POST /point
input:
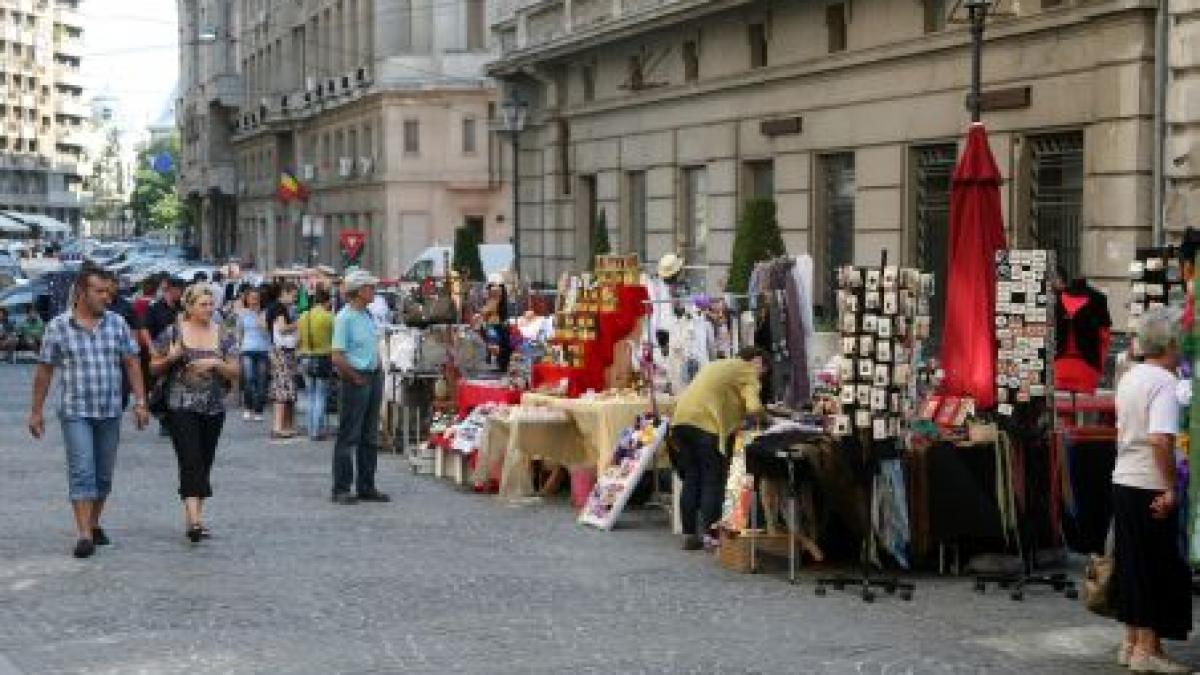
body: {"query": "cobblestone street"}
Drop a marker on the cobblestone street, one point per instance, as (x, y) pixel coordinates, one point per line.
(440, 581)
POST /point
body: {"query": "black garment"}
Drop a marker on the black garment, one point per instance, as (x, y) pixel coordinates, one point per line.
(195, 437)
(703, 470)
(123, 308)
(1085, 325)
(159, 317)
(1153, 581)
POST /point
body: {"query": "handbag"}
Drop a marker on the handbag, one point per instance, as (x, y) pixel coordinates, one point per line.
(160, 390)
(1099, 583)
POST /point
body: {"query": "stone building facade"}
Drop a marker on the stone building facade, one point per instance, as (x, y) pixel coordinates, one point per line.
(669, 116)
(380, 109)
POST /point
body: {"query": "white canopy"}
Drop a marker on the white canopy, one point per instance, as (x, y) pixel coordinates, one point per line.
(11, 225)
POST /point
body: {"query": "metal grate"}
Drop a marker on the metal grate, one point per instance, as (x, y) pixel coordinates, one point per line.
(934, 168)
(1056, 197)
(838, 234)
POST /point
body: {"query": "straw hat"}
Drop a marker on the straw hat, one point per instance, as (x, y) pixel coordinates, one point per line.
(669, 265)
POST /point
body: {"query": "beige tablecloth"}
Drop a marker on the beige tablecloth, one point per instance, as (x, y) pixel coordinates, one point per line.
(599, 423)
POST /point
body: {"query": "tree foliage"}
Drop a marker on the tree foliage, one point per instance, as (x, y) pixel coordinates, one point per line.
(155, 201)
(757, 238)
(466, 253)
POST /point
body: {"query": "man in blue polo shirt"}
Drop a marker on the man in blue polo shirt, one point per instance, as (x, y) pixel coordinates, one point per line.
(356, 358)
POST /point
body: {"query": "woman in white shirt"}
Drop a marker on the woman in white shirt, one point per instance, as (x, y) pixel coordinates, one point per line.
(1152, 579)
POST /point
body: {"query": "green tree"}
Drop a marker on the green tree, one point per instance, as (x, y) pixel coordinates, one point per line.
(155, 201)
(600, 245)
(466, 253)
(757, 238)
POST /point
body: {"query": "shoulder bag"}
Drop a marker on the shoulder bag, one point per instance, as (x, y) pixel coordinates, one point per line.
(1099, 582)
(157, 401)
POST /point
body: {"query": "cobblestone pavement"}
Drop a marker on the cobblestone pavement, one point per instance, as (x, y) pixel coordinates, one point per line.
(439, 582)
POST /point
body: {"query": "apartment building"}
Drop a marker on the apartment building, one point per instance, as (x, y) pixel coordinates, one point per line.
(668, 116)
(42, 112)
(379, 108)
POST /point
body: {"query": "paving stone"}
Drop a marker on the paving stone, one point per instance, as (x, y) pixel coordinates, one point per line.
(441, 581)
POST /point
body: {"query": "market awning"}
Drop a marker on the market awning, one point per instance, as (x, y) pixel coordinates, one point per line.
(976, 233)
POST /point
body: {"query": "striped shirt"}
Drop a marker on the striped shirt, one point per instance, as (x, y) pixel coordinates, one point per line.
(91, 363)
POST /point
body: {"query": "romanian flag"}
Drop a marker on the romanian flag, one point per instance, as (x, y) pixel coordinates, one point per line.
(290, 188)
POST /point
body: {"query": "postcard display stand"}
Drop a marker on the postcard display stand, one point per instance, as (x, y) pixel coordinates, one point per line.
(635, 452)
(1155, 280)
(1025, 399)
(883, 315)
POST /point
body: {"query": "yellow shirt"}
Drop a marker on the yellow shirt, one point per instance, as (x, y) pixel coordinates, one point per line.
(720, 397)
(316, 332)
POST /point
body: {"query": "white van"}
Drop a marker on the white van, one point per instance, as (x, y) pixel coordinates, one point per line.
(432, 261)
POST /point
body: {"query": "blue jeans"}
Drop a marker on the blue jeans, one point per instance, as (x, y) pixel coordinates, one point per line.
(357, 444)
(316, 399)
(254, 381)
(91, 445)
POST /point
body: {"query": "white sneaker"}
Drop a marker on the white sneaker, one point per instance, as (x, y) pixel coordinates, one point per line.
(1153, 663)
(247, 416)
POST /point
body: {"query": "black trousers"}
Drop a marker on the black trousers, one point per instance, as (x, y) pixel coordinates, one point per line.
(1153, 580)
(703, 469)
(195, 436)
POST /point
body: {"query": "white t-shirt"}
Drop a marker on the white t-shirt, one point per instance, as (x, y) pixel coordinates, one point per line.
(1145, 405)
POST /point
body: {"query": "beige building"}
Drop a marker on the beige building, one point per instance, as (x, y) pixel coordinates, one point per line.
(379, 108)
(42, 111)
(668, 116)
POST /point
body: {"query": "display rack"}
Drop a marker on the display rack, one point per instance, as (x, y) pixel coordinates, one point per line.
(1025, 397)
(883, 316)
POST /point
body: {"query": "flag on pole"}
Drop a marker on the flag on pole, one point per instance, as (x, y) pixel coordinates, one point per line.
(290, 188)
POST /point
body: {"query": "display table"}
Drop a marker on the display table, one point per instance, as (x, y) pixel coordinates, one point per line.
(598, 423)
(471, 393)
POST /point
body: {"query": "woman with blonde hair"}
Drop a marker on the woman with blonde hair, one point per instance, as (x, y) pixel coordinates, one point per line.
(200, 358)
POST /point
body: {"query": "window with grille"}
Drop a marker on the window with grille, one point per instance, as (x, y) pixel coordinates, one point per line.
(836, 227)
(1056, 197)
(933, 168)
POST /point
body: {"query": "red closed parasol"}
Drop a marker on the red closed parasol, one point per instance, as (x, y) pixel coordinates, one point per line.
(976, 233)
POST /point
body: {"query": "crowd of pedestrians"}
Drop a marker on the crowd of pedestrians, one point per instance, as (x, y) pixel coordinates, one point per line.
(179, 349)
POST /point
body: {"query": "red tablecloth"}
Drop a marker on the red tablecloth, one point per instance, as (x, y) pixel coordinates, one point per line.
(471, 394)
(611, 328)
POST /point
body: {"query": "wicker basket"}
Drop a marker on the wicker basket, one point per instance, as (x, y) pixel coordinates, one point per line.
(734, 553)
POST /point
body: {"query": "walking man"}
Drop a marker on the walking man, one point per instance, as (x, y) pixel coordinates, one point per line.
(356, 358)
(91, 345)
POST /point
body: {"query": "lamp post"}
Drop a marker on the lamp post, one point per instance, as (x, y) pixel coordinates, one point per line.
(515, 112)
(977, 11)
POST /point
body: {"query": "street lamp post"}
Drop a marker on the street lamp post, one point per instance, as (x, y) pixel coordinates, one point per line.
(977, 11)
(515, 112)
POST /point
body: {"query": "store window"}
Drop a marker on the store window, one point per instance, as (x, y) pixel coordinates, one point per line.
(835, 227)
(692, 234)
(933, 167)
(635, 234)
(1056, 196)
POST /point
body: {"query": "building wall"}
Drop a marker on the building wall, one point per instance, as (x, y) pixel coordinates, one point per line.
(894, 89)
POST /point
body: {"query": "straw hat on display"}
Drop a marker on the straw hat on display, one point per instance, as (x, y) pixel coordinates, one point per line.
(669, 265)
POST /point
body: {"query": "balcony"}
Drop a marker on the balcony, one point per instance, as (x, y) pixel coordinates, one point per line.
(68, 17)
(72, 47)
(69, 77)
(70, 107)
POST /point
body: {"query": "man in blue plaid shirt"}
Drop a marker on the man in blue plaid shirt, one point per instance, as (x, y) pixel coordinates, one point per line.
(90, 345)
